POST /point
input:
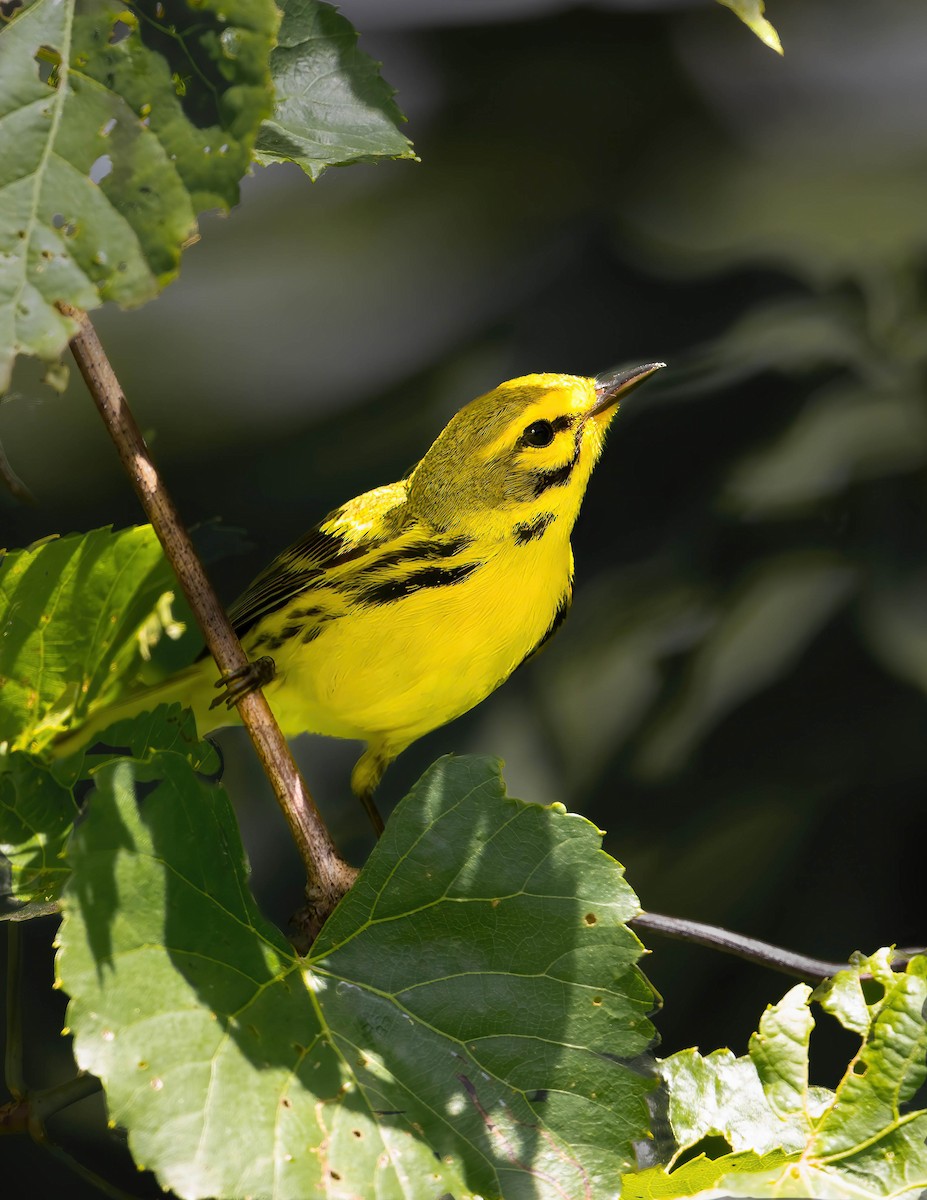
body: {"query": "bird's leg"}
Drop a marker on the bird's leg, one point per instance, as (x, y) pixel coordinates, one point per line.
(246, 679)
(367, 773)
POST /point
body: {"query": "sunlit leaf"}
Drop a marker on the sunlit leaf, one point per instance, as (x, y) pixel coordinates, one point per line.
(118, 125)
(788, 1139)
(36, 817)
(469, 1020)
(70, 612)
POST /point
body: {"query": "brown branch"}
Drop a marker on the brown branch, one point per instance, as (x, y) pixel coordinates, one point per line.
(801, 966)
(329, 877)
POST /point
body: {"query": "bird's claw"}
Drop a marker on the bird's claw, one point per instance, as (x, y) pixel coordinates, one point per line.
(246, 679)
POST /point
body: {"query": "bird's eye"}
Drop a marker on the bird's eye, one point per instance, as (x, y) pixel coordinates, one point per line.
(538, 433)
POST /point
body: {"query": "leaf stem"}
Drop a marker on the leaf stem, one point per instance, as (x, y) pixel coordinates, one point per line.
(801, 966)
(13, 1052)
(329, 877)
(51, 1100)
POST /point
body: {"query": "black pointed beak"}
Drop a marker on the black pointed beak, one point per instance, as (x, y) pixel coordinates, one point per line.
(614, 386)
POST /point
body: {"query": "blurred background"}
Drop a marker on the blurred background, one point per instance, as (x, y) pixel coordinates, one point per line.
(738, 697)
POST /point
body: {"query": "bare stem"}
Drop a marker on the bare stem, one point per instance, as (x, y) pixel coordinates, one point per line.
(329, 877)
(801, 966)
(13, 1064)
(52, 1100)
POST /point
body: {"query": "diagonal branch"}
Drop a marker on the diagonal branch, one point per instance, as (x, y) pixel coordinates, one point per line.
(329, 877)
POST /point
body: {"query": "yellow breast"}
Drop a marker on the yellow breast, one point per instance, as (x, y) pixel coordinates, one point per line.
(393, 671)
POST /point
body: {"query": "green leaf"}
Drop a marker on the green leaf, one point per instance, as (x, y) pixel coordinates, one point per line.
(71, 612)
(751, 13)
(117, 126)
(332, 105)
(791, 1140)
(38, 806)
(779, 1051)
(36, 817)
(470, 1019)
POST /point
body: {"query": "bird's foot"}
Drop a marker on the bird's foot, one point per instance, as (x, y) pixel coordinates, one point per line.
(246, 679)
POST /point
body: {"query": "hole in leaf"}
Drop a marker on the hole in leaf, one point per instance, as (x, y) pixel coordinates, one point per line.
(357, 1133)
(122, 27)
(8, 7)
(873, 991)
(711, 1147)
(597, 1000)
(860, 1068)
(590, 918)
(100, 168)
(107, 128)
(48, 61)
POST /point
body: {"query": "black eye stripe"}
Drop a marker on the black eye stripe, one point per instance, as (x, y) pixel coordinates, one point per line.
(559, 423)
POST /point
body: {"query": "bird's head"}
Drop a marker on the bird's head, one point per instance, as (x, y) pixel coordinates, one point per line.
(522, 453)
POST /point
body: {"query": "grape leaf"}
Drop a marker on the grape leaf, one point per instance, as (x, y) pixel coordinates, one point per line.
(470, 1020)
(332, 105)
(789, 1139)
(36, 817)
(71, 611)
(751, 13)
(38, 805)
(117, 126)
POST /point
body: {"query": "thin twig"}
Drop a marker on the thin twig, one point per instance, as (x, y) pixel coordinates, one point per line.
(12, 481)
(801, 966)
(329, 877)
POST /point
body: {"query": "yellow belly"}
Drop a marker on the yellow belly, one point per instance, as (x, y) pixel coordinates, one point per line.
(392, 672)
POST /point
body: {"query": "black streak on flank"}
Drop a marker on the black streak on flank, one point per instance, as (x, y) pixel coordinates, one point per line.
(431, 577)
(559, 618)
(556, 478)
(530, 530)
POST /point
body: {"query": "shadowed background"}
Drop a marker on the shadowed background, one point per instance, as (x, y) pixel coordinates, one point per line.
(738, 695)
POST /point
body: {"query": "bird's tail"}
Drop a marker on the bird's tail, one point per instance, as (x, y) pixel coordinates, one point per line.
(193, 688)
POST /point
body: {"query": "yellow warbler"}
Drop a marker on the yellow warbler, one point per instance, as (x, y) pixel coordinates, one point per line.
(412, 602)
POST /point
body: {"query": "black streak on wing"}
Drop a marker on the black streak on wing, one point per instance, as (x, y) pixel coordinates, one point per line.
(443, 548)
(529, 530)
(430, 577)
(298, 568)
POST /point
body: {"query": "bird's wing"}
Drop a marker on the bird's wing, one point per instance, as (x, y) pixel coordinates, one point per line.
(358, 528)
